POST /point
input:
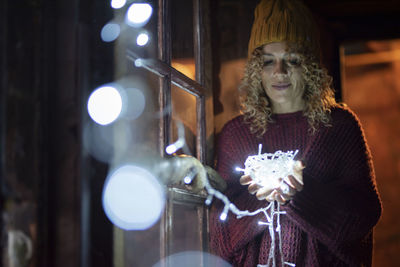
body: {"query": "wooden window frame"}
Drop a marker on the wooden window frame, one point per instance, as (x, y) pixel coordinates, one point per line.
(167, 74)
(200, 88)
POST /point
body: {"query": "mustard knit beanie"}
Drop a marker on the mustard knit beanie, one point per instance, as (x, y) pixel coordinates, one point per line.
(284, 21)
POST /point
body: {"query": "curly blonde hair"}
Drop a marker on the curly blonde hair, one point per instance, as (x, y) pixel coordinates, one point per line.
(318, 94)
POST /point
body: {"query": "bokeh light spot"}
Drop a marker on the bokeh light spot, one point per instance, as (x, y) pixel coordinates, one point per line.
(97, 141)
(136, 103)
(138, 14)
(138, 63)
(142, 39)
(105, 105)
(117, 3)
(110, 32)
(133, 199)
(105, 142)
(192, 259)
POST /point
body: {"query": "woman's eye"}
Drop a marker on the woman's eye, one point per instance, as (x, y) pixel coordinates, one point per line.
(267, 62)
(294, 62)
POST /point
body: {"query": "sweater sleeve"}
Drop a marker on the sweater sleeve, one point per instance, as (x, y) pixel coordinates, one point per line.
(229, 237)
(342, 210)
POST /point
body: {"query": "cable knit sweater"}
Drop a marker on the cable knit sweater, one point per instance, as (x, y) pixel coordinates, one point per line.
(329, 223)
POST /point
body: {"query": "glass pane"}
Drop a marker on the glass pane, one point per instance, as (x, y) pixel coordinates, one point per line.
(136, 140)
(186, 66)
(182, 30)
(184, 119)
(144, 247)
(138, 126)
(187, 228)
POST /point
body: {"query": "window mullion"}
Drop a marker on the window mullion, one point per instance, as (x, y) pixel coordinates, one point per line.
(197, 37)
(164, 55)
(199, 63)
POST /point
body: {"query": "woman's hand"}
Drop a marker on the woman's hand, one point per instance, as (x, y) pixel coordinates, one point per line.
(175, 169)
(289, 186)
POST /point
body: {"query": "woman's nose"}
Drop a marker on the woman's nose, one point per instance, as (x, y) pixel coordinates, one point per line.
(280, 67)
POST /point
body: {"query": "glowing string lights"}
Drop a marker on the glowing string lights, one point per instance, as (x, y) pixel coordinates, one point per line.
(178, 144)
(123, 192)
(267, 170)
(172, 148)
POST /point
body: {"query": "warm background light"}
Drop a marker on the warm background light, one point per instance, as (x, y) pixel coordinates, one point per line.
(371, 87)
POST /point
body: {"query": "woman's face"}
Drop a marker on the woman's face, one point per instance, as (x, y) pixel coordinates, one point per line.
(282, 78)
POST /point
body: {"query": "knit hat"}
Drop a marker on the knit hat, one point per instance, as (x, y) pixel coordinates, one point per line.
(284, 21)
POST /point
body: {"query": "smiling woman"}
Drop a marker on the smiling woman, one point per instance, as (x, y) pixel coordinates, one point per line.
(328, 205)
(282, 78)
(281, 64)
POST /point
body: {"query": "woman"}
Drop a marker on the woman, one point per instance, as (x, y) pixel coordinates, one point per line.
(332, 203)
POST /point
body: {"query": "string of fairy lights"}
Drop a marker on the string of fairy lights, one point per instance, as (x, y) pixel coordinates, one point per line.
(105, 106)
(266, 169)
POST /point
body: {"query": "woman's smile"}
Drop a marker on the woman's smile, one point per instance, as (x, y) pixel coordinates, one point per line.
(282, 80)
(281, 86)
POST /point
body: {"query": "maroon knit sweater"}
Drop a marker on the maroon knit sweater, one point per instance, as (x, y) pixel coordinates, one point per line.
(329, 223)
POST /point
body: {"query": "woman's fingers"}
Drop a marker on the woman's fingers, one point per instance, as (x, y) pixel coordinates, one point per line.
(282, 194)
(271, 197)
(276, 196)
(298, 165)
(280, 198)
(263, 192)
(294, 183)
(298, 171)
(253, 188)
(245, 180)
(286, 190)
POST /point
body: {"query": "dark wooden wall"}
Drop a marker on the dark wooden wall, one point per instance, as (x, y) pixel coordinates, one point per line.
(51, 58)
